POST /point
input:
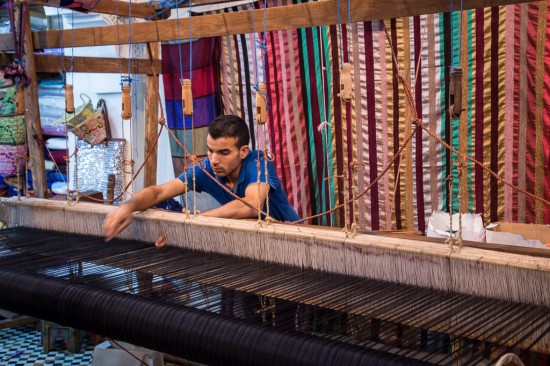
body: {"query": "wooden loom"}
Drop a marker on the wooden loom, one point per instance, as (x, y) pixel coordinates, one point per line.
(461, 283)
(512, 277)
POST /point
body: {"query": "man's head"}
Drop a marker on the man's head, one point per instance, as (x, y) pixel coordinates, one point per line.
(227, 145)
(230, 126)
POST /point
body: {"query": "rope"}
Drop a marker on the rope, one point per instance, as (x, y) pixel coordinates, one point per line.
(366, 190)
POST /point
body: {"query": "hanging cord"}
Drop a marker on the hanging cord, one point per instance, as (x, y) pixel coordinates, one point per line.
(192, 116)
(262, 109)
(18, 158)
(450, 239)
(355, 167)
(348, 36)
(460, 34)
(340, 34)
(186, 196)
(455, 85)
(267, 155)
(262, 99)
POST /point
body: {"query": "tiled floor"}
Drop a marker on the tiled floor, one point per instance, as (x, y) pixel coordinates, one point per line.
(27, 339)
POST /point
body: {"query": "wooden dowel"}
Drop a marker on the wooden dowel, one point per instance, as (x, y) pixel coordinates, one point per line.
(455, 90)
(69, 99)
(126, 102)
(187, 97)
(261, 104)
(346, 87)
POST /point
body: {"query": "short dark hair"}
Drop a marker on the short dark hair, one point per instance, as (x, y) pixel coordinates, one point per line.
(230, 126)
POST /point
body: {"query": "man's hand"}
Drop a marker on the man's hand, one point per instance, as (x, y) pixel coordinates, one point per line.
(161, 241)
(116, 221)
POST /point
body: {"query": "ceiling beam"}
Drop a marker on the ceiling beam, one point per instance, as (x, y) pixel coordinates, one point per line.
(277, 18)
(122, 8)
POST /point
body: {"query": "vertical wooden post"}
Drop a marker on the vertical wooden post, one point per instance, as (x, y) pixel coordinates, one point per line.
(32, 114)
(152, 116)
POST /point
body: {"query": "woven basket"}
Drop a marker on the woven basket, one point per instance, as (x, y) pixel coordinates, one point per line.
(12, 130)
(82, 113)
(12, 159)
(7, 101)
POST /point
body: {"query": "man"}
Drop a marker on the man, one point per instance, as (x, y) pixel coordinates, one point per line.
(233, 165)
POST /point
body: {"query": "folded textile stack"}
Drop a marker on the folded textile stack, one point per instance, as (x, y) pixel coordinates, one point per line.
(13, 148)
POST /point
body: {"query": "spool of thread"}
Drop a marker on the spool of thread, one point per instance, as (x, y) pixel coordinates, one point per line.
(455, 92)
(187, 97)
(261, 104)
(346, 87)
(69, 99)
(20, 100)
(126, 102)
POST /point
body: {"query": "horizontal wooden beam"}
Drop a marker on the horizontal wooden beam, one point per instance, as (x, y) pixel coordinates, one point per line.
(277, 18)
(54, 64)
(122, 8)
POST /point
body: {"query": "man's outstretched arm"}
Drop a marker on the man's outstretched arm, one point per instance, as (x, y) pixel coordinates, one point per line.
(148, 197)
(239, 210)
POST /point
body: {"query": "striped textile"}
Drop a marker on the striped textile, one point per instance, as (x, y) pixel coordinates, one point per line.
(328, 150)
(203, 71)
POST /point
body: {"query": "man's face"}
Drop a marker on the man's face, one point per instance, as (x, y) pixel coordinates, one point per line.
(225, 157)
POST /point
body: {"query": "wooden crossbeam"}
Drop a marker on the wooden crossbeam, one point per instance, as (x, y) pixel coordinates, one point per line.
(54, 64)
(122, 8)
(277, 18)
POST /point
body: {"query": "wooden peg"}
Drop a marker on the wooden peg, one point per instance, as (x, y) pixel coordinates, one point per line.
(187, 97)
(455, 92)
(346, 87)
(20, 100)
(261, 104)
(126, 102)
(69, 99)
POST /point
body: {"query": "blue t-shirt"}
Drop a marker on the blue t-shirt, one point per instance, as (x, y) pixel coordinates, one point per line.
(279, 207)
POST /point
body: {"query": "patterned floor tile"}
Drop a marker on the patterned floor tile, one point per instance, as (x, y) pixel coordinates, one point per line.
(22, 346)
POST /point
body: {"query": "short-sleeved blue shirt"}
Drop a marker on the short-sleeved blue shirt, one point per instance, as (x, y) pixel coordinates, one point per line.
(279, 207)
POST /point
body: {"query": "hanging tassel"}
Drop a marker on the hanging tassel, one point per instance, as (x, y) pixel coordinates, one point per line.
(346, 90)
(69, 99)
(20, 100)
(187, 97)
(261, 104)
(126, 102)
(455, 92)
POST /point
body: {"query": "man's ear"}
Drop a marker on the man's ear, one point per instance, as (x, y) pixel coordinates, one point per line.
(244, 151)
